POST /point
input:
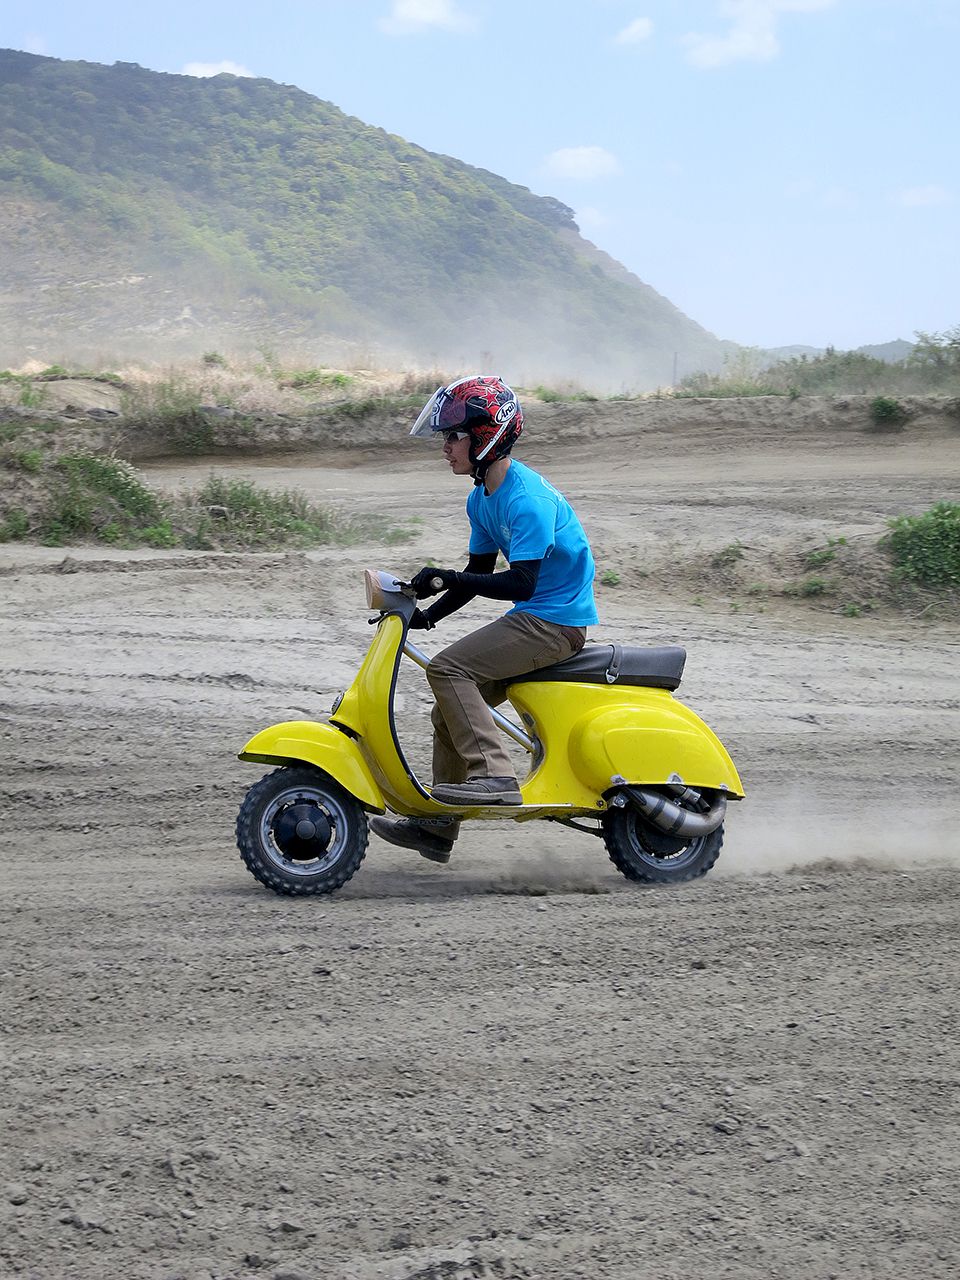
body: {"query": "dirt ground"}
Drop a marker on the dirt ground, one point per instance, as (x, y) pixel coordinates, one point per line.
(518, 1065)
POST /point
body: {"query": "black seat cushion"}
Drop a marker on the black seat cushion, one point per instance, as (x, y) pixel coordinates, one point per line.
(656, 667)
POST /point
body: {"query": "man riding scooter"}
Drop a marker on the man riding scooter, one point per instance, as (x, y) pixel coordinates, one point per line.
(515, 511)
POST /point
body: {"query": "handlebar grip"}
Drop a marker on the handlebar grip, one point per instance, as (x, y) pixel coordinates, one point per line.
(436, 584)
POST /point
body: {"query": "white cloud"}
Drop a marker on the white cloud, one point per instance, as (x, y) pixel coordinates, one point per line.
(407, 16)
(34, 43)
(922, 197)
(582, 163)
(639, 29)
(753, 31)
(206, 69)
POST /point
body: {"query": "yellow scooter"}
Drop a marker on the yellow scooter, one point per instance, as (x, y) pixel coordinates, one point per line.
(613, 754)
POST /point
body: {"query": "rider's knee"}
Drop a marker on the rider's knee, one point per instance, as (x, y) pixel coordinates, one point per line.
(441, 667)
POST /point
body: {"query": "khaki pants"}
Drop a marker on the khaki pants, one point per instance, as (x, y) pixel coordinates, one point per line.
(473, 673)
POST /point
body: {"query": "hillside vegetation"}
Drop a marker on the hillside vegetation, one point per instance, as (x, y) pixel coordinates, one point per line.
(930, 367)
(140, 208)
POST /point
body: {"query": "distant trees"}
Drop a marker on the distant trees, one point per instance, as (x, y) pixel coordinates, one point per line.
(937, 354)
(932, 366)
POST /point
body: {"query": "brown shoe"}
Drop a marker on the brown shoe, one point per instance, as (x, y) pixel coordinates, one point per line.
(479, 791)
(422, 834)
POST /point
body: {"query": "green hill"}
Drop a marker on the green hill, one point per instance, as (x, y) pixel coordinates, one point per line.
(143, 213)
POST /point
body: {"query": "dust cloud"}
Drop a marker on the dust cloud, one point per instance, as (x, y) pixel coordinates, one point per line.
(775, 840)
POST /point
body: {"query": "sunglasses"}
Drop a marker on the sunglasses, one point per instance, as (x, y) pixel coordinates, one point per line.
(450, 437)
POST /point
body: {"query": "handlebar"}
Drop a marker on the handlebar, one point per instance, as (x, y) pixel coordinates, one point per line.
(436, 584)
(380, 585)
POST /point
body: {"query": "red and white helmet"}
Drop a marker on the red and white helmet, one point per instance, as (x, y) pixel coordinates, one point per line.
(483, 405)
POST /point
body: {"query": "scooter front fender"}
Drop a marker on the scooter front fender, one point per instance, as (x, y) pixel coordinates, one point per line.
(323, 746)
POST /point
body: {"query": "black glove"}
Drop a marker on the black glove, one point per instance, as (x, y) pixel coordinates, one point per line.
(430, 581)
(420, 621)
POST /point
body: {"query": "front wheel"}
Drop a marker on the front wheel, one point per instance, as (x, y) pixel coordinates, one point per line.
(300, 833)
(641, 852)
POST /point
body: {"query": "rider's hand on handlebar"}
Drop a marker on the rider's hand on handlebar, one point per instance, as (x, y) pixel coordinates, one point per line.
(430, 581)
(420, 621)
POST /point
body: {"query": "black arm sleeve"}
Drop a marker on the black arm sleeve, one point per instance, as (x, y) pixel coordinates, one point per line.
(478, 579)
(458, 596)
(518, 583)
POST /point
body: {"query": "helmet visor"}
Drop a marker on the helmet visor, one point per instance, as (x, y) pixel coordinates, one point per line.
(442, 412)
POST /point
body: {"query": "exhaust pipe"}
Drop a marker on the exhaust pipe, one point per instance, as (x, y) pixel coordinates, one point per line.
(668, 816)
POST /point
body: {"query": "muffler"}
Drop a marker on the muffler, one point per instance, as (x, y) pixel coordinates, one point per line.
(668, 816)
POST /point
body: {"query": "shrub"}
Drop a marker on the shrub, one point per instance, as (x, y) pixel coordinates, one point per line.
(926, 548)
(193, 433)
(317, 378)
(158, 535)
(169, 400)
(728, 556)
(32, 397)
(818, 558)
(94, 493)
(808, 587)
(885, 412)
(394, 537)
(25, 459)
(742, 375)
(705, 386)
(15, 527)
(610, 578)
(214, 359)
(114, 478)
(562, 395)
(249, 516)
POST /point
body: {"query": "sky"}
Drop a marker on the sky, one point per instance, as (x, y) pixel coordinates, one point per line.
(784, 171)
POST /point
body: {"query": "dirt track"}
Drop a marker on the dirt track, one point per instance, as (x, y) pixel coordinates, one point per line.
(519, 1065)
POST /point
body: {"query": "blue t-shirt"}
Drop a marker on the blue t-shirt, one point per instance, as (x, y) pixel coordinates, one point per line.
(528, 519)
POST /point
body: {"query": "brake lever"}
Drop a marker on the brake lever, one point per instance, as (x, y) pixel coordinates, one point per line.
(436, 585)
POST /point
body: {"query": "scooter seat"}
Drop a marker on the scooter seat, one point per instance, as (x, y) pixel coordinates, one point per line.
(658, 667)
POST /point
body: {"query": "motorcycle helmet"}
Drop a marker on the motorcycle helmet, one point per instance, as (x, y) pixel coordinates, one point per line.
(483, 405)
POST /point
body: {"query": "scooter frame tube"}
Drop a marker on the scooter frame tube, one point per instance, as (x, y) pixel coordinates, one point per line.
(509, 728)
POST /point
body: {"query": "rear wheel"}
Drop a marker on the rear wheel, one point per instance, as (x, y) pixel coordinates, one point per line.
(300, 833)
(641, 851)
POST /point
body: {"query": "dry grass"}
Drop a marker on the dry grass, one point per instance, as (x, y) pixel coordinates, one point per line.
(266, 383)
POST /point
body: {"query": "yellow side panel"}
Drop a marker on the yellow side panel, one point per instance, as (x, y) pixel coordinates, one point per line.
(652, 747)
(321, 745)
(592, 733)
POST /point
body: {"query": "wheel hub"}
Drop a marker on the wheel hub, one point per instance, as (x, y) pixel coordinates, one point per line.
(659, 843)
(302, 831)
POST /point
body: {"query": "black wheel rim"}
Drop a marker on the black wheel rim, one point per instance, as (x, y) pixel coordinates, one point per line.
(304, 831)
(656, 849)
